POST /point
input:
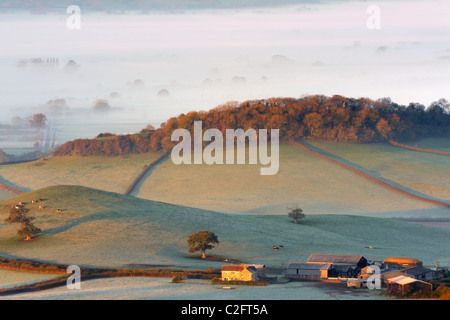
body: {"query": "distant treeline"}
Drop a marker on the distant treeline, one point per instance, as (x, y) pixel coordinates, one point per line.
(336, 118)
(6, 158)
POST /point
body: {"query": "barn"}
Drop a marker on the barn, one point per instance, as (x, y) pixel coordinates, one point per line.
(338, 259)
(308, 271)
(402, 283)
(343, 271)
(420, 273)
(401, 262)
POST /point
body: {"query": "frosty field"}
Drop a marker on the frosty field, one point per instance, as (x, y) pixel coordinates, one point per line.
(316, 185)
(163, 289)
(9, 278)
(433, 143)
(106, 173)
(421, 173)
(98, 228)
(345, 214)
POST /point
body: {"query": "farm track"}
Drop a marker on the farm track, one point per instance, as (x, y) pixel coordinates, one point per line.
(142, 174)
(396, 144)
(370, 177)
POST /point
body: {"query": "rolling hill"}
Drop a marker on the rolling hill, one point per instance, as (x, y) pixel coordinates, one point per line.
(105, 173)
(318, 186)
(99, 228)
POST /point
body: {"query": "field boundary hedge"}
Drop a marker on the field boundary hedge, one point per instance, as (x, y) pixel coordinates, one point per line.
(14, 190)
(371, 178)
(88, 274)
(396, 144)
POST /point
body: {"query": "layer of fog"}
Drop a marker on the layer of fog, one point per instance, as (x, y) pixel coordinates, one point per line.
(144, 69)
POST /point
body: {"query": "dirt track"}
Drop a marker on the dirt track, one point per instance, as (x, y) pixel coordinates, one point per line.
(139, 177)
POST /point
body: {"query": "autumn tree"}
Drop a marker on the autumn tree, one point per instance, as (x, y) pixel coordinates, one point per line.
(296, 213)
(202, 241)
(384, 129)
(38, 121)
(334, 118)
(20, 215)
(314, 122)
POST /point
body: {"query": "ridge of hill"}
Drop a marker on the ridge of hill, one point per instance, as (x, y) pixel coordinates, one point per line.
(336, 118)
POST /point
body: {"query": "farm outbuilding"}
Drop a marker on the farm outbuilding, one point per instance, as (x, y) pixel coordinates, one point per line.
(343, 271)
(402, 262)
(338, 259)
(310, 271)
(400, 284)
(420, 273)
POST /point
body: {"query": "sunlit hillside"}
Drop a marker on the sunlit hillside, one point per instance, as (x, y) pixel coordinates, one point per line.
(98, 228)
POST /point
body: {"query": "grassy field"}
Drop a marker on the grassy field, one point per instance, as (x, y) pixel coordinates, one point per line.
(98, 228)
(9, 278)
(345, 214)
(317, 186)
(421, 173)
(433, 143)
(163, 289)
(5, 195)
(105, 173)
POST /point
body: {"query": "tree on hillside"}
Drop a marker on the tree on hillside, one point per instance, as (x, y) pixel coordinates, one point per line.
(296, 213)
(20, 215)
(202, 241)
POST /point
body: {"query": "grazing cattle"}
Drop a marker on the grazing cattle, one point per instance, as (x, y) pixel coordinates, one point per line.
(20, 203)
(41, 207)
(58, 211)
(34, 201)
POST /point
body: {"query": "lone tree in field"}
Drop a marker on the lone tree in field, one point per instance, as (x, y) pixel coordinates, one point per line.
(296, 213)
(202, 241)
(27, 228)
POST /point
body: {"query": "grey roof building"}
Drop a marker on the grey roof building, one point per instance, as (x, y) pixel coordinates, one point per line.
(297, 270)
(338, 259)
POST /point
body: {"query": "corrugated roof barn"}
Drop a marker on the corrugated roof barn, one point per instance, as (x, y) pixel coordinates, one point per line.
(307, 270)
(338, 259)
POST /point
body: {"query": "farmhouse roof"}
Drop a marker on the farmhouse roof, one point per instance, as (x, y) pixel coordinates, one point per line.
(334, 258)
(238, 268)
